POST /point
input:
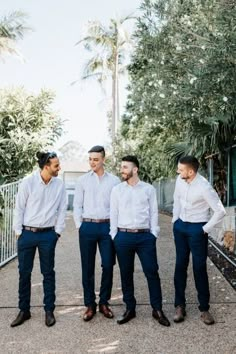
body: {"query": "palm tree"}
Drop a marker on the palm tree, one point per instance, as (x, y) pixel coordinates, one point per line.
(12, 28)
(109, 46)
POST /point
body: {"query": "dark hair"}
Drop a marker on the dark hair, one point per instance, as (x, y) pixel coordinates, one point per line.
(131, 158)
(44, 158)
(98, 148)
(191, 161)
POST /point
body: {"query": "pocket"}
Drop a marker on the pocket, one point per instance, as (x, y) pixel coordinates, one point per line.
(153, 237)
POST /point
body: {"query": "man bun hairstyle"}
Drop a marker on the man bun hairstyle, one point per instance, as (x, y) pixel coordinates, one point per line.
(98, 148)
(43, 158)
(131, 158)
(190, 161)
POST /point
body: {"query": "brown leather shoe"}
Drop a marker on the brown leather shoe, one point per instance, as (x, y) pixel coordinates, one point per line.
(105, 309)
(207, 318)
(89, 313)
(180, 313)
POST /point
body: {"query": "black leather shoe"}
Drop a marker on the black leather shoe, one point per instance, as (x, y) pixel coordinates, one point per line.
(160, 317)
(127, 316)
(49, 318)
(21, 318)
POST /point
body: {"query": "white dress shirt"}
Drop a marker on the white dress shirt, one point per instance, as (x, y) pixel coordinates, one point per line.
(39, 204)
(92, 196)
(134, 207)
(193, 201)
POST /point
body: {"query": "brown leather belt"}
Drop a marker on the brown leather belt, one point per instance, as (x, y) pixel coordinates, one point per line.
(38, 229)
(135, 231)
(96, 220)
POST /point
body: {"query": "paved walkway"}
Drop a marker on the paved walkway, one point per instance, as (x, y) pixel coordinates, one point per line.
(143, 335)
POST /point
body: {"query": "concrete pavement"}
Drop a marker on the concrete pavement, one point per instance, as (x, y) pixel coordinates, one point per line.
(142, 335)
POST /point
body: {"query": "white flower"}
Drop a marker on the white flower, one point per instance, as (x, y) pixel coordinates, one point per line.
(225, 99)
(201, 61)
(178, 48)
(160, 82)
(150, 83)
(192, 80)
(150, 60)
(203, 47)
(162, 95)
(162, 62)
(174, 92)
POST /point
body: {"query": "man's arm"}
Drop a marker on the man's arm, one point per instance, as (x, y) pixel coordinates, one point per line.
(154, 228)
(78, 204)
(21, 200)
(114, 213)
(176, 205)
(61, 213)
(213, 200)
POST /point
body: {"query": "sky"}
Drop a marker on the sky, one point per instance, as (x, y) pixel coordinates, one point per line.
(52, 61)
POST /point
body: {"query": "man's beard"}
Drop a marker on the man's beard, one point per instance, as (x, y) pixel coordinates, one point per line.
(127, 176)
(185, 178)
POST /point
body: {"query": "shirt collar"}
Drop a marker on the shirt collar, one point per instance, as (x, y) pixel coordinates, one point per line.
(92, 173)
(137, 184)
(40, 180)
(196, 178)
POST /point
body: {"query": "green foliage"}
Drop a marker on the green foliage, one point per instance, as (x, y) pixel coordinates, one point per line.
(182, 94)
(12, 28)
(27, 125)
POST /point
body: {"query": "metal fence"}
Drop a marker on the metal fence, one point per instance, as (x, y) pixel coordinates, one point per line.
(7, 237)
(165, 191)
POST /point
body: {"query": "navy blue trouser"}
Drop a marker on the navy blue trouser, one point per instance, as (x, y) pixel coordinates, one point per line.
(26, 245)
(90, 235)
(144, 244)
(190, 237)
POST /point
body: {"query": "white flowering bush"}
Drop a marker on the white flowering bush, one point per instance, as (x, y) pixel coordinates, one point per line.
(27, 125)
(182, 89)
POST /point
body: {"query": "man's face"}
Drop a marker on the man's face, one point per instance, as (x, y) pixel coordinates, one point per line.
(127, 170)
(54, 167)
(96, 161)
(185, 172)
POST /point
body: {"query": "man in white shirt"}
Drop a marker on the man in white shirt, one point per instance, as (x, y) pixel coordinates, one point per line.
(134, 229)
(38, 222)
(92, 219)
(193, 199)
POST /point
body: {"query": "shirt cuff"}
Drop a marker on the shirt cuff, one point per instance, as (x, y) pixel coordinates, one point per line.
(113, 234)
(206, 229)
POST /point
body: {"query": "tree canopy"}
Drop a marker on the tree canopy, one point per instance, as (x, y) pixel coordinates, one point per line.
(182, 92)
(27, 125)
